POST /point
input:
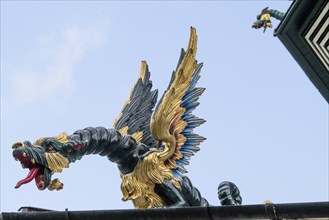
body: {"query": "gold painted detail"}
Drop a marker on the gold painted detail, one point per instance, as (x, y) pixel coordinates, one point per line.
(17, 144)
(266, 17)
(124, 130)
(138, 185)
(138, 136)
(142, 70)
(166, 122)
(268, 202)
(62, 137)
(56, 162)
(55, 185)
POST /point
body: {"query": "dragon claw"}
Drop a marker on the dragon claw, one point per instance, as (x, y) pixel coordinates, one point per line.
(55, 184)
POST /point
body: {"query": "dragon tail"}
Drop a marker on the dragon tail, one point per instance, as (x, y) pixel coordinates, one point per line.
(229, 194)
(192, 194)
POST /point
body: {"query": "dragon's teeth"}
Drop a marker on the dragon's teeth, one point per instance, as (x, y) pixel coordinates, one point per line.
(24, 154)
(33, 161)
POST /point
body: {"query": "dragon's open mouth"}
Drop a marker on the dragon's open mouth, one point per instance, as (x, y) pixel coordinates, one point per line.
(37, 171)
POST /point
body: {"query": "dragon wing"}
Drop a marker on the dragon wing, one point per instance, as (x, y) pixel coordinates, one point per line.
(135, 115)
(172, 122)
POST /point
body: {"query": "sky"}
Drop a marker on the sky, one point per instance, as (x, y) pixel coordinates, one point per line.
(67, 65)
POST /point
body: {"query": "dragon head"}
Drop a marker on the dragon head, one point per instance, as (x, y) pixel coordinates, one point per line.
(263, 20)
(45, 157)
(262, 23)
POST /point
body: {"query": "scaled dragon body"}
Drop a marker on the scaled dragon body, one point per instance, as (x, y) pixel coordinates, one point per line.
(151, 148)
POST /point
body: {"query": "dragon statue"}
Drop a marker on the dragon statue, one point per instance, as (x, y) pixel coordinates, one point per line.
(150, 147)
(263, 19)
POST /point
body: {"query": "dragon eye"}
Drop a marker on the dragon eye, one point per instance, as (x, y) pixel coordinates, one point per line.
(49, 148)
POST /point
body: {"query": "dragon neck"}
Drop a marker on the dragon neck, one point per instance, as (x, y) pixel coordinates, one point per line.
(118, 148)
(276, 14)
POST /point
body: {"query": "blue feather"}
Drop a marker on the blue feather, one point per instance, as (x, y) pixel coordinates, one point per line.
(190, 102)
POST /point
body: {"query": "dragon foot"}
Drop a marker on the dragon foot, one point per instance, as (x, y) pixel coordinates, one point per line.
(55, 185)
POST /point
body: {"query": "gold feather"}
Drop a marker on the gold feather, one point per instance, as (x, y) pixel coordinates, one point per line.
(138, 185)
(62, 137)
(138, 136)
(123, 130)
(166, 122)
(56, 162)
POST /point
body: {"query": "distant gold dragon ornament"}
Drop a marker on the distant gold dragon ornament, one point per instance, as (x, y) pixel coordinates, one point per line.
(263, 19)
(150, 147)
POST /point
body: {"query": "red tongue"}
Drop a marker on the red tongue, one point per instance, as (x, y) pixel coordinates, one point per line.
(32, 174)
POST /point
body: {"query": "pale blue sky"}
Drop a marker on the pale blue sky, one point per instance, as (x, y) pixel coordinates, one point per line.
(69, 65)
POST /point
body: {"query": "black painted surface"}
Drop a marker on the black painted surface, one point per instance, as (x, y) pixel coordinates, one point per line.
(283, 211)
